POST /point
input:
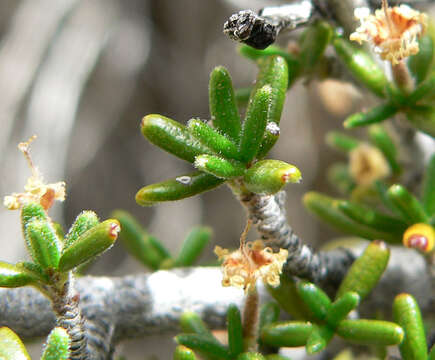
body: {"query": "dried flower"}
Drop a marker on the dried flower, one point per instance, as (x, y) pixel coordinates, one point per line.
(393, 31)
(251, 261)
(367, 164)
(35, 189)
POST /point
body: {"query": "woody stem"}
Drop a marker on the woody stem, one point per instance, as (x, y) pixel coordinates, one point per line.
(250, 320)
(402, 77)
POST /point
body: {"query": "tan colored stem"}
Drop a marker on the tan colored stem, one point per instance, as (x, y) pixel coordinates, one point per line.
(402, 77)
(250, 320)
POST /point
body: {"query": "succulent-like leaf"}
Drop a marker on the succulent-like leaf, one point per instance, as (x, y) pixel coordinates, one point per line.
(366, 271)
(193, 245)
(184, 353)
(361, 66)
(57, 347)
(219, 167)
(319, 339)
(190, 322)
(83, 222)
(315, 298)
(380, 137)
(423, 118)
(374, 115)
(181, 187)
(30, 212)
(288, 333)
(90, 244)
(420, 63)
(204, 344)
(223, 106)
(407, 314)
(11, 346)
(425, 89)
(341, 307)
(410, 208)
(172, 137)
(235, 330)
(428, 187)
(341, 141)
(15, 276)
(269, 313)
(339, 177)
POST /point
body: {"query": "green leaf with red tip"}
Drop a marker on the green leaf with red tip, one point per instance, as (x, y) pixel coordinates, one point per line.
(172, 137)
(371, 332)
(138, 242)
(366, 271)
(181, 187)
(90, 244)
(219, 167)
(410, 208)
(374, 115)
(12, 276)
(11, 346)
(184, 353)
(83, 222)
(57, 347)
(361, 66)
(428, 187)
(288, 333)
(407, 314)
(223, 106)
(193, 245)
(270, 176)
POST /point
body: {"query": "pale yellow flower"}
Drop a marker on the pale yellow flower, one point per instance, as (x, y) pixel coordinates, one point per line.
(367, 164)
(250, 262)
(392, 31)
(35, 189)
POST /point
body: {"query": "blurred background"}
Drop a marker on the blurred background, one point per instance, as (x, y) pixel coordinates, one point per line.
(80, 74)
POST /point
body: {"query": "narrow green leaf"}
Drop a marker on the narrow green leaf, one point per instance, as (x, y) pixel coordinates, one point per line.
(83, 222)
(422, 117)
(11, 346)
(34, 270)
(90, 244)
(425, 89)
(315, 298)
(428, 187)
(381, 189)
(255, 123)
(371, 332)
(341, 307)
(190, 322)
(219, 167)
(30, 212)
(15, 276)
(327, 209)
(59, 230)
(176, 189)
(184, 353)
(319, 339)
(420, 63)
(338, 176)
(407, 314)
(172, 137)
(138, 242)
(313, 44)
(341, 141)
(374, 115)
(235, 330)
(374, 219)
(193, 245)
(361, 66)
(250, 356)
(218, 143)
(366, 271)
(223, 106)
(44, 245)
(288, 333)
(57, 347)
(204, 344)
(410, 208)
(380, 137)
(271, 136)
(269, 313)
(270, 176)
(276, 357)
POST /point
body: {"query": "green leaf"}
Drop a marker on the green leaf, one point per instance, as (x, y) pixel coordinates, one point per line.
(371, 332)
(327, 209)
(366, 271)
(193, 245)
(218, 143)
(15, 276)
(407, 314)
(374, 219)
(184, 353)
(181, 187)
(172, 137)
(269, 313)
(44, 245)
(315, 298)
(255, 123)
(223, 106)
(276, 357)
(30, 212)
(420, 63)
(425, 89)
(313, 44)
(410, 208)
(374, 115)
(428, 187)
(190, 322)
(270, 176)
(318, 339)
(138, 242)
(341, 307)
(57, 347)
(340, 141)
(90, 244)
(288, 333)
(361, 66)
(380, 137)
(34, 270)
(83, 222)
(250, 356)
(338, 176)
(219, 167)
(422, 117)
(11, 346)
(204, 344)
(59, 230)
(235, 330)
